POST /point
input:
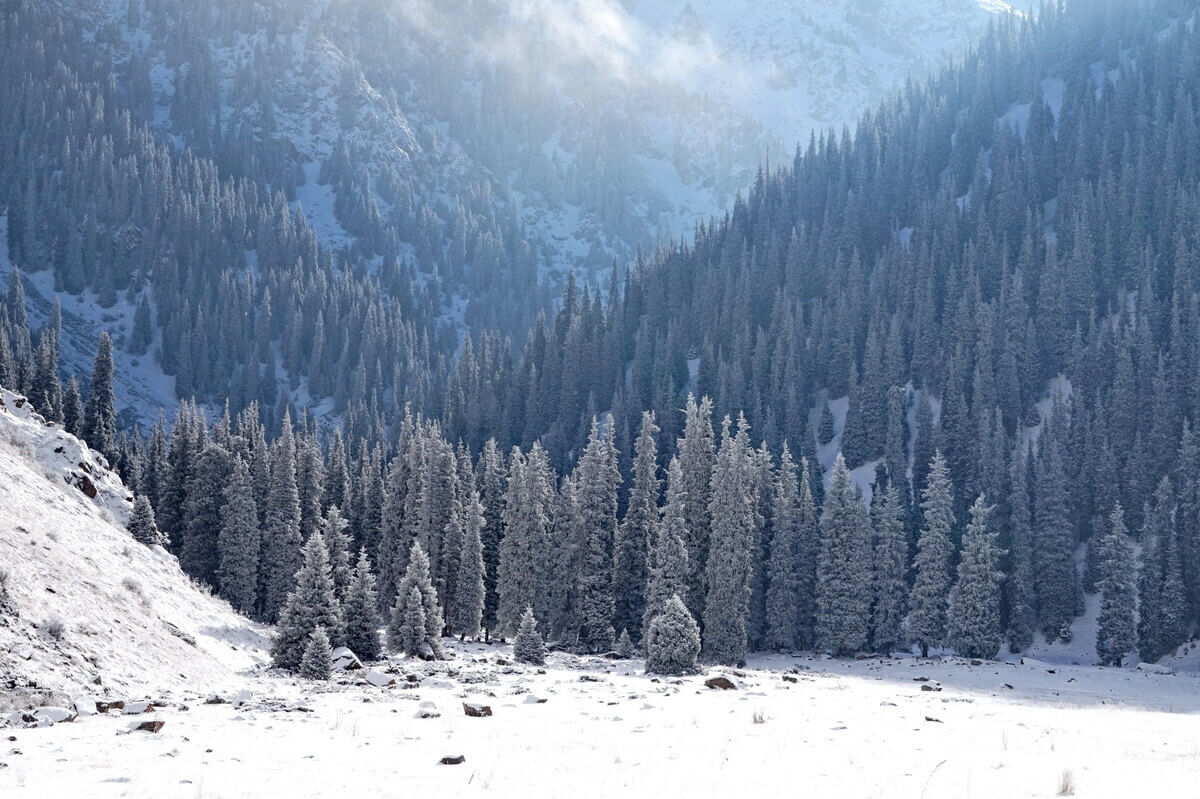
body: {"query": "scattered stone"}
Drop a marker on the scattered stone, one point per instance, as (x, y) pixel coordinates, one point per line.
(379, 679)
(107, 707)
(84, 706)
(345, 660)
(1009, 687)
(723, 683)
(532, 699)
(976, 662)
(790, 678)
(1155, 668)
(135, 708)
(153, 725)
(920, 679)
(931, 718)
(452, 760)
(476, 710)
(930, 686)
(54, 715)
(588, 678)
(216, 699)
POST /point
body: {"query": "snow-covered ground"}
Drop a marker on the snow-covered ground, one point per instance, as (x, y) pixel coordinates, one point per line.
(794, 726)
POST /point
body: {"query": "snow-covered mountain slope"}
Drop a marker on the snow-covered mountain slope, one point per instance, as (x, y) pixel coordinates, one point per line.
(799, 65)
(80, 600)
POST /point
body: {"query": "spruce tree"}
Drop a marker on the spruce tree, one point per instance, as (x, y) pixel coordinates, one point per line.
(416, 599)
(527, 645)
(141, 523)
(200, 553)
(1163, 605)
(361, 612)
(521, 581)
(597, 517)
(100, 412)
(317, 661)
(239, 542)
(668, 557)
(467, 603)
(333, 527)
(935, 548)
(1022, 616)
(672, 641)
(625, 647)
(729, 567)
(696, 451)
(491, 494)
(1116, 634)
(310, 605)
(844, 572)
(889, 588)
(72, 407)
(808, 555)
(281, 533)
(783, 571)
(973, 617)
(1054, 546)
(636, 532)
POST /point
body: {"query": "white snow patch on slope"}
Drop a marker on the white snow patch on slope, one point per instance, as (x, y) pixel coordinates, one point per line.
(127, 612)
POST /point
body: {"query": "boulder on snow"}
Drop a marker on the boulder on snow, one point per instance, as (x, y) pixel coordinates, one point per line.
(379, 679)
(931, 686)
(53, 715)
(722, 683)
(152, 725)
(1155, 668)
(476, 710)
(137, 708)
(105, 706)
(452, 760)
(345, 660)
(533, 699)
(85, 706)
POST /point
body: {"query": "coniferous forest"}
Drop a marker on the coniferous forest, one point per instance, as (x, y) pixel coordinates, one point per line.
(932, 383)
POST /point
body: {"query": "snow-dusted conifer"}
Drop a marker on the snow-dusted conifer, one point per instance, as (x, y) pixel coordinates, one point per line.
(526, 517)
(673, 640)
(783, 570)
(239, 542)
(528, 646)
(697, 455)
(467, 603)
(406, 633)
(141, 523)
(310, 605)
(1116, 634)
(889, 591)
(935, 547)
(317, 661)
(416, 583)
(100, 413)
(973, 616)
(281, 534)
(636, 532)
(333, 527)
(844, 571)
(668, 560)
(596, 514)
(361, 612)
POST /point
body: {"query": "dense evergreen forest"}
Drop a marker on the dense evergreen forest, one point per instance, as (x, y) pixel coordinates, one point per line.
(944, 371)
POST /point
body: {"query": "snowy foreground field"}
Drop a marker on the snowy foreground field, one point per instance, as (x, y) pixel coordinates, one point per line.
(589, 727)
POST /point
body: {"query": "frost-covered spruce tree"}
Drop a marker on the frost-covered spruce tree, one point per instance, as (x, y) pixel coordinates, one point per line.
(697, 455)
(239, 542)
(625, 647)
(491, 481)
(727, 604)
(808, 555)
(416, 583)
(467, 603)
(317, 661)
(1054, 543)
(783, 569)
(1161, 626)
(407, 633)
(72, 407)
(333, 527)
(360, 612)
(281, 533)
(599, 479)
(310, 605)
(526, 517)
(1022, 616)
(1116, 634)
(100, 413)
(889, 588)
(672, 641)
(935, 548)
(635, 533)
(200, 553)
(668, 557)
(141, 523)
(844, 572)
(973, 617)
(527, 645)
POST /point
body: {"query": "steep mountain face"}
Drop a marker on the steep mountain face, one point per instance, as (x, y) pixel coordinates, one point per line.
(85, 609)
(802, 67)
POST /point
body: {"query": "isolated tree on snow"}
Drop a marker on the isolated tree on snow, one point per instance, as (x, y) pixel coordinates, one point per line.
(141, 523)
(973, 617)
(317, 661)
(239, 542)
(673, 640)
(935, 548)
(668, 556)
(416, 589)
(844, 572)
(72, 408)
(310, 605)
(1116, 634)
(528, 646)
(889, 586)
(361, 612)
(100, 412)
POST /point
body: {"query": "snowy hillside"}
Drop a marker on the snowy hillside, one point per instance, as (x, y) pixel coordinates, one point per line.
(84, 608)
